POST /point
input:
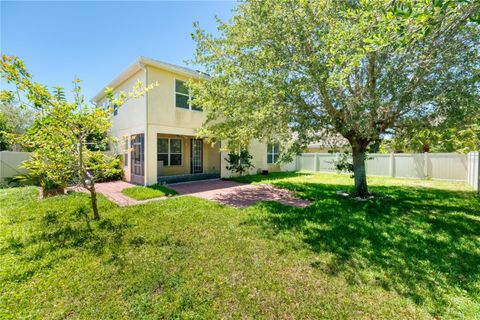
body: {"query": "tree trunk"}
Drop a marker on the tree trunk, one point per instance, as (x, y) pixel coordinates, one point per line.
(93, 198)
(359, 172)
(83, 179)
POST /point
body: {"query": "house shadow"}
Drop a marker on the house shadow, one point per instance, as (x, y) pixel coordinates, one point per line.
(419, 242)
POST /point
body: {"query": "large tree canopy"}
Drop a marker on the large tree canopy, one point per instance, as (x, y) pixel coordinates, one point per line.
(288, 70)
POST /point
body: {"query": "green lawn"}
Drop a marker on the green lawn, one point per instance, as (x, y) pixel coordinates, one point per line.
(150, 192)
(413, 252)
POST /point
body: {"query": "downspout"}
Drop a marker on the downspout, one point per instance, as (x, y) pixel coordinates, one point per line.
(145, 142)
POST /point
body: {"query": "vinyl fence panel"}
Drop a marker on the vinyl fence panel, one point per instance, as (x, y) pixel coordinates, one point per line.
(307, 162)
(378, 165)
(446, 166)
(326, 162)
(410, 165)
(10, 164)
(473, 170)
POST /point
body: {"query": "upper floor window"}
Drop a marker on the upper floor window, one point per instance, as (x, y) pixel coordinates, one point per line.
(273, 152)
(183, 98)
(169, 151)
(115, 109)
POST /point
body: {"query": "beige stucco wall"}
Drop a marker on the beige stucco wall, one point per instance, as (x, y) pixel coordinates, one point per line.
(258, 150)
(211, 157)
(161, 103)
(156, 113)
(131, 117)
(211, 160)
(132, 113)
(165, 118)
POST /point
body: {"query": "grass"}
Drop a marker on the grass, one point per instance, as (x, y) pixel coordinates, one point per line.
(150, 192)
(411, 253)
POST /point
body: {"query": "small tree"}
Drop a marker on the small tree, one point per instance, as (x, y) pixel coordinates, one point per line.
(290, 70)
(62, 130)
(239, 161)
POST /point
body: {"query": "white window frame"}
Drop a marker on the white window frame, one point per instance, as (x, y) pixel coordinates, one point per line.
(105, 104)
(183, 94)
(169, 153)
(125, 152)
(271, 151)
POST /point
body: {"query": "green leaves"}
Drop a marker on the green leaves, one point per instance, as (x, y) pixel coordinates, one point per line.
(58, 93)
(284, 68)
(287, 70)
(239, 161)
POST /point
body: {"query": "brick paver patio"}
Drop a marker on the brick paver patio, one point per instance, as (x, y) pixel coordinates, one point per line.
(113, 192)
(228, 192)
(237, 194)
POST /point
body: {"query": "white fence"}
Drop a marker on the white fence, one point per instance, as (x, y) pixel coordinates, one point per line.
(10, 164)
(473, 171)
(446, 166)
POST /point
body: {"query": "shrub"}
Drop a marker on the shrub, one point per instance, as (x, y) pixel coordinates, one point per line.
(239, 162)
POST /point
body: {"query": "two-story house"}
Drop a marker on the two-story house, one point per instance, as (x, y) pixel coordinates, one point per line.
(157, 132)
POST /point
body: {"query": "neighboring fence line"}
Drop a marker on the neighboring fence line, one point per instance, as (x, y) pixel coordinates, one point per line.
(473, 171)
(445, 166)
(10, 164)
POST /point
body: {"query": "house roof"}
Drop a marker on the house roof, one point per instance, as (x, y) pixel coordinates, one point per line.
(139, 64)
(329, 140)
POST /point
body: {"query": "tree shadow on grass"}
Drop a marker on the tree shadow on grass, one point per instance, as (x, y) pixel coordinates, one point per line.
(419, 242)
(269, 177)
(61, 233)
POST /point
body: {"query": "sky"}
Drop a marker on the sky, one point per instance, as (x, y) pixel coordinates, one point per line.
(96, 40)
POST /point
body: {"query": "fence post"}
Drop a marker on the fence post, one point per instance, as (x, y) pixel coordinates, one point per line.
(1, 168)
(425, 165)
(391, 165)
(315, 164)
(478, 169)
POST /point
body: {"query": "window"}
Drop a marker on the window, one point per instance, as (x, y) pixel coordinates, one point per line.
(115, 109)
(125, 152)
(273, 152)
(175, 152)
(162, 151)
(169, 151)
(183, 99)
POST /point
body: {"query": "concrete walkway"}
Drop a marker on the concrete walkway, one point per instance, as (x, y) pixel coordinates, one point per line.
(237, 194)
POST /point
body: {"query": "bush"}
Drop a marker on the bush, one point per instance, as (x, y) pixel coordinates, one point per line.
(114, 171)
(239, 162)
